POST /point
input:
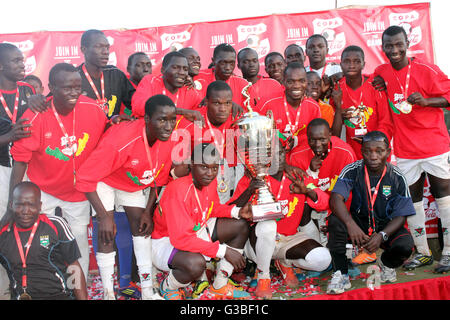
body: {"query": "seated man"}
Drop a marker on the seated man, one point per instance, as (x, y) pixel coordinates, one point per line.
(194, 227)
(280, 239)
(43, 271)
(380, 204)
(323, 157)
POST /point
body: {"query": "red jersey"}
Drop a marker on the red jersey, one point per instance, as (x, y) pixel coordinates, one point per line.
(264, 90)
(422, 133)
(121, 161)
(51, 163)
(292, 204)
(221, 136)
(150, 85)
(339, 155)
(182, 215)
(376, 116)
(289, 120)
(205, 77)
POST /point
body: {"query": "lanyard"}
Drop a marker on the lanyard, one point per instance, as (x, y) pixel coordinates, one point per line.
(280, 189)
(100, 98)
(149, 158)
(372, 198)
(23, 256)
(297, 116)
(199, 225)
(356, 104)
(323, 71)
(408, 77)
(64, 131)
(13, 116)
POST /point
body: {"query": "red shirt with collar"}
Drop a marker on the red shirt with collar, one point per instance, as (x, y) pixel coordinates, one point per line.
(51, 164)
(264, 90)
(308, 110)
(422, 133)
(340, 155)
(184, 98)
(292, 204)
(181, 212)
(378, 116)
(120, 160)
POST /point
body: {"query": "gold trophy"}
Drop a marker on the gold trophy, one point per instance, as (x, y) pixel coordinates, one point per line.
(254, 136)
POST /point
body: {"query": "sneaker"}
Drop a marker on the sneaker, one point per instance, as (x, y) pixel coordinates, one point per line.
(228, 291)
(288, 274)
(443, 265)
(418, 260)
(338, 283)
(387, 274)
(263, 289)
(133, 291)
(254, 282)
(364, 257)
(170, 294)
(199, 288)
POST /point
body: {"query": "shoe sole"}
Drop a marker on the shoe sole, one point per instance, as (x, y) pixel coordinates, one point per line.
(335, 291)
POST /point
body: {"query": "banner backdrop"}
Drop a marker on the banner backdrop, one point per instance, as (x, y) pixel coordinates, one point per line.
(360, 26)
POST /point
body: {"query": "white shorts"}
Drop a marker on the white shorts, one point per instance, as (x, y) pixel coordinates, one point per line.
(75, 213)
(163, 250)
(5, 175)
(282, 245)
(437, 166)
(114, 198)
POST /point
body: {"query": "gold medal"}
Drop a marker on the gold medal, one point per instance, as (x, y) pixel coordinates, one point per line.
(24, 296)
(222, 187)
(405, 107)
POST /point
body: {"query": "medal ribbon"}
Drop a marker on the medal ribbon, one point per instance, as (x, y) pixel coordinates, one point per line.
(199, 225)
(408, 77)
(23, 256)
(297, 116)
(12, 116)
(64, 131)
(373, 197)
(100, 99)
(280, 189)
(221, 147)
(149, 158)
(355, 104)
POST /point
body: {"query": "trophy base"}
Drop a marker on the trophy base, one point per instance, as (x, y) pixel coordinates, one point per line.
(267, 211)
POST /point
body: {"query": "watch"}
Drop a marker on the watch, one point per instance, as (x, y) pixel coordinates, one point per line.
(384, 235)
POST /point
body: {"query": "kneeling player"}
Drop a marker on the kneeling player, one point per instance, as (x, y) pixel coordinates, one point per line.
(280, 239)
(193, 227)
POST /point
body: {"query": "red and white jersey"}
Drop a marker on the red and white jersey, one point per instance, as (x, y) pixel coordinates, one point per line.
(329, 69)
(237, 84)
(422, 133)
(51, 163)
(289, 120)
(150, 85)
(120, 160)
(221, 136)
(264, 90)
(376, 117)
(339, 155)
(183, 215)
(292, 205)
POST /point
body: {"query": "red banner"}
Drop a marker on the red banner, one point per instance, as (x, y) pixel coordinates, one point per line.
(342, 27)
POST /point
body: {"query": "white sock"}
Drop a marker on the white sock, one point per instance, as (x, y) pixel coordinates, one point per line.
(105, 262)
(416, 225)
(311, 230)
(443, 205)
(80, 234)
(224, 271)
(266, 232)
(318, 259)
(143, 252)
(172, 283)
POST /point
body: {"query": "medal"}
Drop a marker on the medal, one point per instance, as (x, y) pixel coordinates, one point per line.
(24, 296)
(12, 116)
(405, 107)
(222, 187)
(101, 99)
